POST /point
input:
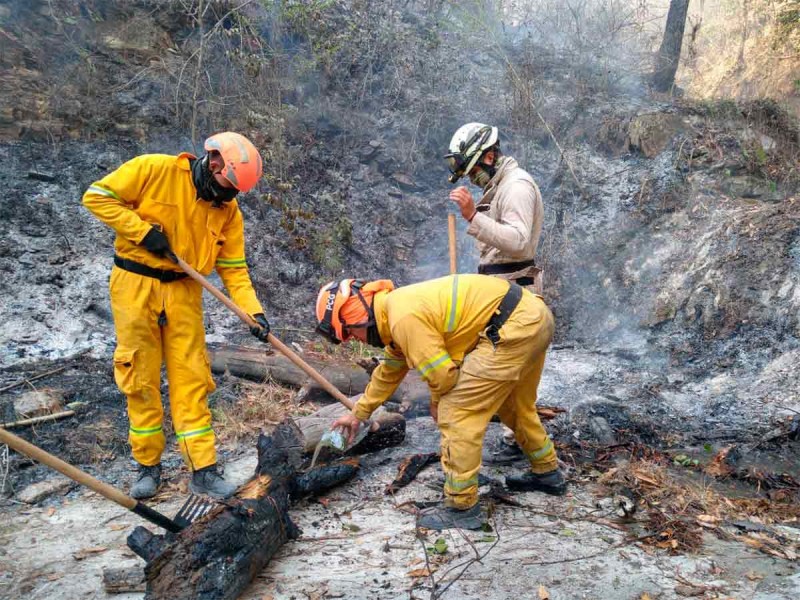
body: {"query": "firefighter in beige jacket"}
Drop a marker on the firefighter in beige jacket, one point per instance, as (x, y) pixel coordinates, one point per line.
(506, 221)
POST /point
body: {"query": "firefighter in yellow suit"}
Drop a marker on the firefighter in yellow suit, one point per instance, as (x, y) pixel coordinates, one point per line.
(480, 344)
(159, 205)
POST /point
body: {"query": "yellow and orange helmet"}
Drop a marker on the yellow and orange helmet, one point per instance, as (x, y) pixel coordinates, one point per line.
(243, 164)
(347, 303)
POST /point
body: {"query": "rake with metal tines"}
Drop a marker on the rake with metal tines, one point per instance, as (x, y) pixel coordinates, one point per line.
(194, 508)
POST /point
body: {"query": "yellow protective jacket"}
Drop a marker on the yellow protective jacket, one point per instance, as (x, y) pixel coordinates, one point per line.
(429, 326)
(157, 189)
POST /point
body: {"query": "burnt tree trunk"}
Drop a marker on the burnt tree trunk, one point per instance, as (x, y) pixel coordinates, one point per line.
(217, 557)
(349, 379)
(670, 52)
(259, 366)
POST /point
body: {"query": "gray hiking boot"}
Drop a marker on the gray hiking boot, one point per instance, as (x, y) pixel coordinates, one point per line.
(208, 481)
(148, 482)
(552, 482)
(501, 453)
(445, 517)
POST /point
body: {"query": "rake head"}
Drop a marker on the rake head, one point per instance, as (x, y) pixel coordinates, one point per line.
(194, 508)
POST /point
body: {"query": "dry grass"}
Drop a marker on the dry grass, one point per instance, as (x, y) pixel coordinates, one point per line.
(679, 510)
(745, 54)
(255, 407)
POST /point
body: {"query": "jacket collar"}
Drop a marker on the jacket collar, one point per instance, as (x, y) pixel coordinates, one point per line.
(183, 160)
(505, 165)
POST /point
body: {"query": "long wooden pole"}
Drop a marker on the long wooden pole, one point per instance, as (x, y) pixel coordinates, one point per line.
(42, 419)
(74, 473)
(451, 234)
(37, 454)
(250, 322)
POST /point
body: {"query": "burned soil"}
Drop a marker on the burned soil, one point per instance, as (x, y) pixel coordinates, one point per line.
(671, 251)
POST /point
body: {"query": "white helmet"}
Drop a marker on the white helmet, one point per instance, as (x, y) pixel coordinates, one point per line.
(467, 146)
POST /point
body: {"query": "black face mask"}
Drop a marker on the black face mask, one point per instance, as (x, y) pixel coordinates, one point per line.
(207, 186)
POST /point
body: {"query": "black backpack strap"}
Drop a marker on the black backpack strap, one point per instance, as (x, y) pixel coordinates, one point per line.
(504, 310)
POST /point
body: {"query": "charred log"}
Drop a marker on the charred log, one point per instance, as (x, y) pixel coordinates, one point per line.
(121, 581)
(217, 556)
(409, 469)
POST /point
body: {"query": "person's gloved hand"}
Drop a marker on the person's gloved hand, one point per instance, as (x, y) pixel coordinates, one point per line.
(262, 331)
(156, 242)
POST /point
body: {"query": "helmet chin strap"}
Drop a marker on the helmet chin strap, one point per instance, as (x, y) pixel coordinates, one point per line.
(207, 186)
(373, 335)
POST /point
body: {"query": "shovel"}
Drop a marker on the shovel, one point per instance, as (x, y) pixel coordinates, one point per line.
(250, 322)
(193, 508)
(451, 238)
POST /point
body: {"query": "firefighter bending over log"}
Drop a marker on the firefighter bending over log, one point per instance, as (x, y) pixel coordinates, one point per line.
(480, 343)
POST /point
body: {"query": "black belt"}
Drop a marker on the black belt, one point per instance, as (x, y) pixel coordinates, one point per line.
(504, 310)
(140, 269)
(503, 268)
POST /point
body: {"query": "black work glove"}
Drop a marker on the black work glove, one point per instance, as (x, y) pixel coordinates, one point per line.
(156, 242)
(262, 331)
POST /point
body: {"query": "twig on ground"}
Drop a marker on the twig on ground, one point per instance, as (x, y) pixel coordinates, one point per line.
(466, 565)
(5, 465)
(33, 420)
(418, 535)
(28, 380)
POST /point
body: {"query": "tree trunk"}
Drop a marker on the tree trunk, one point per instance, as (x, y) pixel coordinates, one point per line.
(347, 378)
(670, 52)
(258, 366)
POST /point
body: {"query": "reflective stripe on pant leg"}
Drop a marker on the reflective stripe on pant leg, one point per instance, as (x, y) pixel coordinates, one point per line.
(464, 414)
(189, 373)
(533, 438)
(137, 361)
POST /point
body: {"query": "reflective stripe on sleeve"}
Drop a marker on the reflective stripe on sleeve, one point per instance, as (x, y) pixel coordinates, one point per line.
(103, 192)
(453, 308)
(430, 365)
(231, 262)
(393, 363)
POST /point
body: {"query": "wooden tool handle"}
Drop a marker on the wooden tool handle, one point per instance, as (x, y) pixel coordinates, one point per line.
(250, 322)
(36, 453)
(451, 231)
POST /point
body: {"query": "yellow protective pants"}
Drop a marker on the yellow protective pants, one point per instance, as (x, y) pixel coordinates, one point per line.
(143, 344)
(499, 380)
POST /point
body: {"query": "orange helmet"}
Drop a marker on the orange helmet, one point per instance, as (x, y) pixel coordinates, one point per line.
(243, 165)
(332, 314)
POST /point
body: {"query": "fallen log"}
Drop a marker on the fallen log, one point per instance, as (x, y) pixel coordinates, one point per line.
(259, 366)
(217, 556)
(413, 394)
(391, 433)
(350, 379)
